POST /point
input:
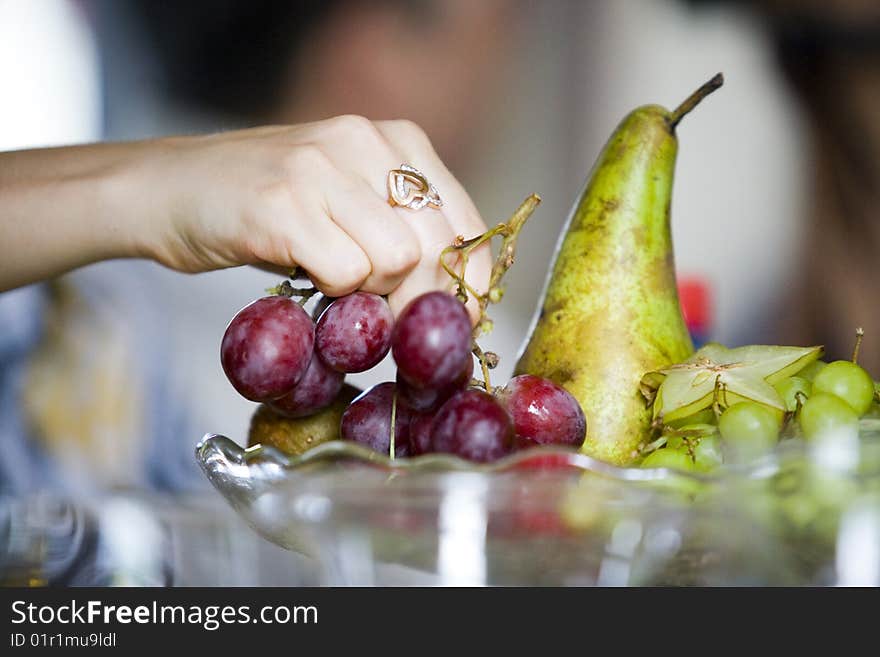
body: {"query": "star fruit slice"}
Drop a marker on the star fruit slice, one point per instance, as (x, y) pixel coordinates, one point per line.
(740, 374)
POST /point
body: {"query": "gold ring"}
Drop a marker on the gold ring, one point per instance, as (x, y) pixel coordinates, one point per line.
(409, 188)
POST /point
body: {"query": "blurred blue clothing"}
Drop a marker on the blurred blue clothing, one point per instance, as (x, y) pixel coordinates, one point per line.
(61, 426)
(23, 466)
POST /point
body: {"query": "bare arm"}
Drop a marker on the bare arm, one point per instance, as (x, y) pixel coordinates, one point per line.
(312, 195)
(63, 208)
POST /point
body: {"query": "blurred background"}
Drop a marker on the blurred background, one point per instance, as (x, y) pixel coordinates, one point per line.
(111, 375)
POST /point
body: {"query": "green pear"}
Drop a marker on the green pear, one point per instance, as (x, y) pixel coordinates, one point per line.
(610, 310)
(294, 436)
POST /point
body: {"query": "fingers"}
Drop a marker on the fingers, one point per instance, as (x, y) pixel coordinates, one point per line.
(435, 234)
(335, 276)
(391, 246)
(362, 152)
(338, 171)
(461, 214)
(303, 232)
(410, 140)
(357, 147)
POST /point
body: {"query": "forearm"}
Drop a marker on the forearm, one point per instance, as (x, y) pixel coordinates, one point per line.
(63, 208)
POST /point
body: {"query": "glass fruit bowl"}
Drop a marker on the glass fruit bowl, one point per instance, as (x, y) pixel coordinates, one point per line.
(805, 515)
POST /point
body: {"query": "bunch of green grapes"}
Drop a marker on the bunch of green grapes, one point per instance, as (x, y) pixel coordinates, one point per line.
(823, 400)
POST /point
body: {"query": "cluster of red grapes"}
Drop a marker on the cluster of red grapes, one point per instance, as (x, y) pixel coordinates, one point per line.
(274, 352)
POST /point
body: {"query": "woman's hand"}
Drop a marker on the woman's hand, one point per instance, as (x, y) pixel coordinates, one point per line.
(312, 195)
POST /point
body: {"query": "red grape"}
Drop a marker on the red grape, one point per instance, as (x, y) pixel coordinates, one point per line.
(520, 443)
(420, 425)
(267, 348)
(543, 412)
(317, 389)
(354, 333)
(474, 426)
(432, 340)
(368, 421)
(323, 303)
(429, 399)
(543, 461)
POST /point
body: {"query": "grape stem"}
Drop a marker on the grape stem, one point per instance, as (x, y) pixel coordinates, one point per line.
(644, 450)
(799, 399)
(393, 423)
(719, 398)
(484, 365)
(462, 248)
(860, 333)
(285, 289)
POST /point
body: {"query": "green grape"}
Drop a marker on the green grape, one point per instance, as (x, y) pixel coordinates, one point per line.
(677, 459)
(827, 415)
(707, 454)
(789, 388)
(848, 381)
(810, 371)
(749, 429)
(697, 430)
(706, 416)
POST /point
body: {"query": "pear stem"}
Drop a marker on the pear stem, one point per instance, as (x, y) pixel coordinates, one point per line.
(694, 99)
(860, 333)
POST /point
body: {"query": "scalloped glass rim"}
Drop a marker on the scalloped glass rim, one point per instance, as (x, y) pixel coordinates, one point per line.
(338, 450)
(213, 445)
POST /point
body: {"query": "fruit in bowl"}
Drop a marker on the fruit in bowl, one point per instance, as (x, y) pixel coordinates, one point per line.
(608, 367)
(297, 435)
(750, 399)
(435, 406)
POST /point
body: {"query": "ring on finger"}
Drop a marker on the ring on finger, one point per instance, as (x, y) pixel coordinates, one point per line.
(409, 188)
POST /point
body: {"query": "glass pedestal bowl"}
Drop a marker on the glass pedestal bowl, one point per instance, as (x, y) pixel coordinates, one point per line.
(807, 515)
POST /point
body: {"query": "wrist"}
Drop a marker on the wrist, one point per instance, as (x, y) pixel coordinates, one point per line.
(139, 193)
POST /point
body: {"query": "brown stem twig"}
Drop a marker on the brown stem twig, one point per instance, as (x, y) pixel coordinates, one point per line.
(478, 352)
(286, 289)
(462, 248)
(507, 253)
(694, 99)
